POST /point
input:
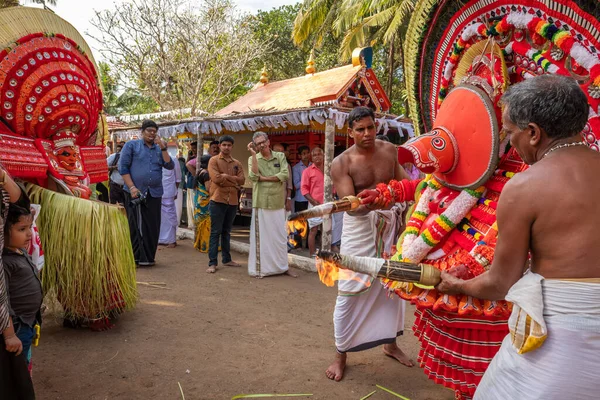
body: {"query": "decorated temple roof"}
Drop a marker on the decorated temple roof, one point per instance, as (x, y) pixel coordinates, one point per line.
(313, 89)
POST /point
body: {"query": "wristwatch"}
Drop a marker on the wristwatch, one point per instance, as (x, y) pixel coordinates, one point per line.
(165, 149)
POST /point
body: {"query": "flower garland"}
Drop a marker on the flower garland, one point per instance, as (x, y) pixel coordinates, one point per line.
(393, 191)
(416, 246)
(418, 217)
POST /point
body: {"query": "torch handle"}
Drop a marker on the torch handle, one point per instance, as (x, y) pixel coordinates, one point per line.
(348, 203)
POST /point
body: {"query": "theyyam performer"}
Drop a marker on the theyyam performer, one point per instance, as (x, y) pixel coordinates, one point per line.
(364, 316)
(455, 86)
(52, 134)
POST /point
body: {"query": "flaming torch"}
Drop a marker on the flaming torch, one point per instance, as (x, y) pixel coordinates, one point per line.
(331, 263)
(348, 203)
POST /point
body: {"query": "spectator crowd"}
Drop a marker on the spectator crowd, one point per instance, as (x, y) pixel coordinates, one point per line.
(202, 192)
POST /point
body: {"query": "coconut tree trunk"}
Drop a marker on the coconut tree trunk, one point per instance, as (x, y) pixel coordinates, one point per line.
(390, 62)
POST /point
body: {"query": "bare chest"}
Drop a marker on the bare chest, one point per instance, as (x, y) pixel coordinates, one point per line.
(367, 173)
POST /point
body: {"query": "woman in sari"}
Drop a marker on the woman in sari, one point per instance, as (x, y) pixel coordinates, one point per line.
(201, 199)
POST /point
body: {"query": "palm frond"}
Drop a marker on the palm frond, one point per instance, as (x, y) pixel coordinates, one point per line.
(311, 19)
(354, 38)
(401, 16)
(347, 17)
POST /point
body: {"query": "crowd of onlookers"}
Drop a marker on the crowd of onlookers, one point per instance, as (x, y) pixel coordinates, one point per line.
(203, 193)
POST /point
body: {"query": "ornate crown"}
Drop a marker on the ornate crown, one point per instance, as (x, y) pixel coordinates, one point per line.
(64, 138)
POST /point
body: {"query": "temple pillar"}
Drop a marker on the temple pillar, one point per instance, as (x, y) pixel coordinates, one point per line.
(200, 145)
(329, 147)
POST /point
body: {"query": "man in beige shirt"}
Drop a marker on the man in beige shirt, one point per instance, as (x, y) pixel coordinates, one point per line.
(226, 177)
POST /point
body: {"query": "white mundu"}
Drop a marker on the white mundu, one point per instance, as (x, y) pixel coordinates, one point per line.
(268, 255)
(566, 364)
(365, 316)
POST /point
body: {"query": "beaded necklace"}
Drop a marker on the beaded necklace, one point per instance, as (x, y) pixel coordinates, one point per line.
(561, 146)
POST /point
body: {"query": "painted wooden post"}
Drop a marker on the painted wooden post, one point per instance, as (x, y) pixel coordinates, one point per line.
(199, 147)
(329, 146)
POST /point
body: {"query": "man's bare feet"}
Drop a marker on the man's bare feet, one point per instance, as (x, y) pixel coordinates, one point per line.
(336, 369)
(211, 269)
(171, 245)
(259, 276)
(392, 350)
(288, 272)
(232, 264)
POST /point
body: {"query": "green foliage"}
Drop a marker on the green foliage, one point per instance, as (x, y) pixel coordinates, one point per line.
(380, 24)
(284, 60)
(118, 101)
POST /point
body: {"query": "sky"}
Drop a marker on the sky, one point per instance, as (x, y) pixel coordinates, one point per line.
(80, 12)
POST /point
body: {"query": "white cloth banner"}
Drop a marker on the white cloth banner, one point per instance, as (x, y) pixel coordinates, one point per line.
(295, 118)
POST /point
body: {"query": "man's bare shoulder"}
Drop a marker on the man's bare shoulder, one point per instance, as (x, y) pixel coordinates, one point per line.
(386, 147)
(343, 159)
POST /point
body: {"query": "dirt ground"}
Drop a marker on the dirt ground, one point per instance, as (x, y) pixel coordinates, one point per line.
(218, 336)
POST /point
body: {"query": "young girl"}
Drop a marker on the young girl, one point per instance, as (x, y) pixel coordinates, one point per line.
(23, 284)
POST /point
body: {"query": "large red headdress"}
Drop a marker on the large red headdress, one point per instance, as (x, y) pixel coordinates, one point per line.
(50, 96)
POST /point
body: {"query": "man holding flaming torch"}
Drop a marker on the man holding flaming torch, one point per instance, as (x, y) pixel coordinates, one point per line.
(364, 317)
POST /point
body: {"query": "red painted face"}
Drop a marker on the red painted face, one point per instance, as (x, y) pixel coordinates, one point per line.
(68, 157)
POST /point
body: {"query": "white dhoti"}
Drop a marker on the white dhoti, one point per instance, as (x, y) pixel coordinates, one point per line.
(179, 204)
(364, 316)
(268, 254)
(168, 221)
(566, 364)
(337, 225)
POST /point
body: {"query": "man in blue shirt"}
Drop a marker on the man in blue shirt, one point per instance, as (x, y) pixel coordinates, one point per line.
(141, 165)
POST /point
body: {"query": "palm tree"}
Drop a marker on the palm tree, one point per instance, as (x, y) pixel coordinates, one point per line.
(314, 20)
(361, 22)
(367, 22)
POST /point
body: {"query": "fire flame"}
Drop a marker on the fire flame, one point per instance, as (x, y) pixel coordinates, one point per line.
(330, 272)
(296, 227)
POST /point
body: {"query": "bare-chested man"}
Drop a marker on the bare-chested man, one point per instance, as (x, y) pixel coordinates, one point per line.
(364, 316)
(551, 211)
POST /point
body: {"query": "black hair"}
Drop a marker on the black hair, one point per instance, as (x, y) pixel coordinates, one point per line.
(383, 137)
(15, 213)
(285, 146)
(302, 148)
(555, 103)
(194, 144)
(226, 138)
(148, 123)
(214, 142)
(359, 113)
(204, 160)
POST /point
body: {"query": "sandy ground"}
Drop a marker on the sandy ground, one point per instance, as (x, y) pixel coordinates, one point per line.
(218, 336)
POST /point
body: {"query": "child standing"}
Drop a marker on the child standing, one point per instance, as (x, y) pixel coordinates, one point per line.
(22, 281)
